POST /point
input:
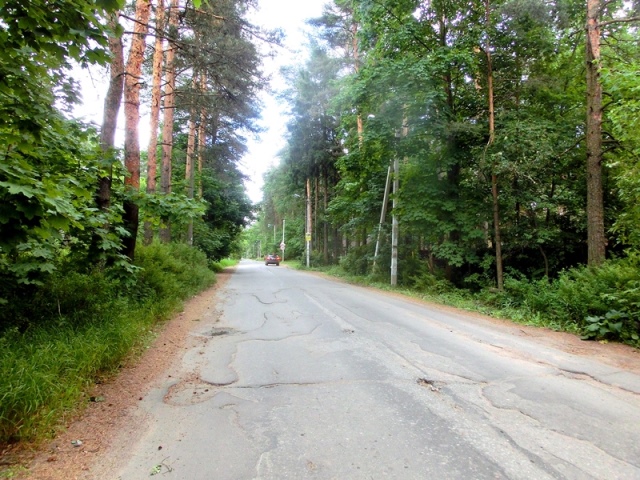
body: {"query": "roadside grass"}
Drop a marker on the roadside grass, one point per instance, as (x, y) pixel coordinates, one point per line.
(222, 264)
(82, 327)
(292, 264)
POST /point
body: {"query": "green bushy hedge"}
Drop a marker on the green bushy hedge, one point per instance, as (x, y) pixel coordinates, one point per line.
(78, 326)
(601, 303)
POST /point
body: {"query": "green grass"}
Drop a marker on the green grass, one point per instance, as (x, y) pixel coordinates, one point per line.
(220, 265)
(88, 324)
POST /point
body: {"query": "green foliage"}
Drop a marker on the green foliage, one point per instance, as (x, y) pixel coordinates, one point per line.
(222, 264)
(610, 326)
(427, 282)
(174, 208)
(47, 204)
(49, 165)
(77, 327)
(602, 302)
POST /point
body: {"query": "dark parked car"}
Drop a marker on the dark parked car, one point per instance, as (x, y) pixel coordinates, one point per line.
(272, 260)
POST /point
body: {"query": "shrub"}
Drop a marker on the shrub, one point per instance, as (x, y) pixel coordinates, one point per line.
(602, 302)
(78, 326)
(356, 261)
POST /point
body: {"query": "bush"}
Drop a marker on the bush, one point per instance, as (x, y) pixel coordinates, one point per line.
(429, 283)
(601, 302)
(606, 292)
(85, 324)
(356, 262)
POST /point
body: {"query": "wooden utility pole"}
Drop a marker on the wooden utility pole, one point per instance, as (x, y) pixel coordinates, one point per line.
(309, 226)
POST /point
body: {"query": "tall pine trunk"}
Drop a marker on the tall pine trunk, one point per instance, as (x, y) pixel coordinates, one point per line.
(325, 224)
(201, 135)
(596, 241)
(356, 69)
(156, 96)
(191, 147)
(133, 82)
(169, 106)
(492, 134)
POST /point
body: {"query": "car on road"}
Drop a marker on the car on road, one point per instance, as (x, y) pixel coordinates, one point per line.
(272, 259)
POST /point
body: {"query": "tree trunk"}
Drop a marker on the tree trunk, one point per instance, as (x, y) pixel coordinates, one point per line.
(201, 134)
(156, 95)
(596, 241)
(110, 115)
(169, 105)
(494, 176)
(190, 170)
(356, 69)
(133, 82)
(325, 225)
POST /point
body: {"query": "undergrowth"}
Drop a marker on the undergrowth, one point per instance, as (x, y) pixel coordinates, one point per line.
(78, 327)
(220, 265)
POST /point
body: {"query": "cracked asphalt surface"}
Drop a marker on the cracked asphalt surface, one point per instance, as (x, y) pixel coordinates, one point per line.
(303, 377)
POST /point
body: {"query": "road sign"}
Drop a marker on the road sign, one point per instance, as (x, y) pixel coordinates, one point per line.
(307, 237)
(282, 246)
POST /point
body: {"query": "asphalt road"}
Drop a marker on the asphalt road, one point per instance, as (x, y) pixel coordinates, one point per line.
(307, 378)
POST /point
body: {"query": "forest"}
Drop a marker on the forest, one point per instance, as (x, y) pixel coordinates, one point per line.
(476, 149)
(479, 149)
(100, 240)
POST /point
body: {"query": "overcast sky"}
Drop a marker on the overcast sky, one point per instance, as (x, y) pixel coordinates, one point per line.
(290, 16)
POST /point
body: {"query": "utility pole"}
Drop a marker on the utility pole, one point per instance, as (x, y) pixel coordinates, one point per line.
(383, 214)
(394, 224)
(309, 227)
(283, 244)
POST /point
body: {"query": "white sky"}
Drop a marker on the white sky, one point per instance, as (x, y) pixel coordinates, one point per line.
(288, 15)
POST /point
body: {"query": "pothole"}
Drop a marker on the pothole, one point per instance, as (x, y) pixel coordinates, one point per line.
(191, 392)
(432, 385)
(217, 332)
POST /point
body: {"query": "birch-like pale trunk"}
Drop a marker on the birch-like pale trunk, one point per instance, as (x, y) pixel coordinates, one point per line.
(112, 103)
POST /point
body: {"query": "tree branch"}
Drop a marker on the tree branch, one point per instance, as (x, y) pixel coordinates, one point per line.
(619, 20)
